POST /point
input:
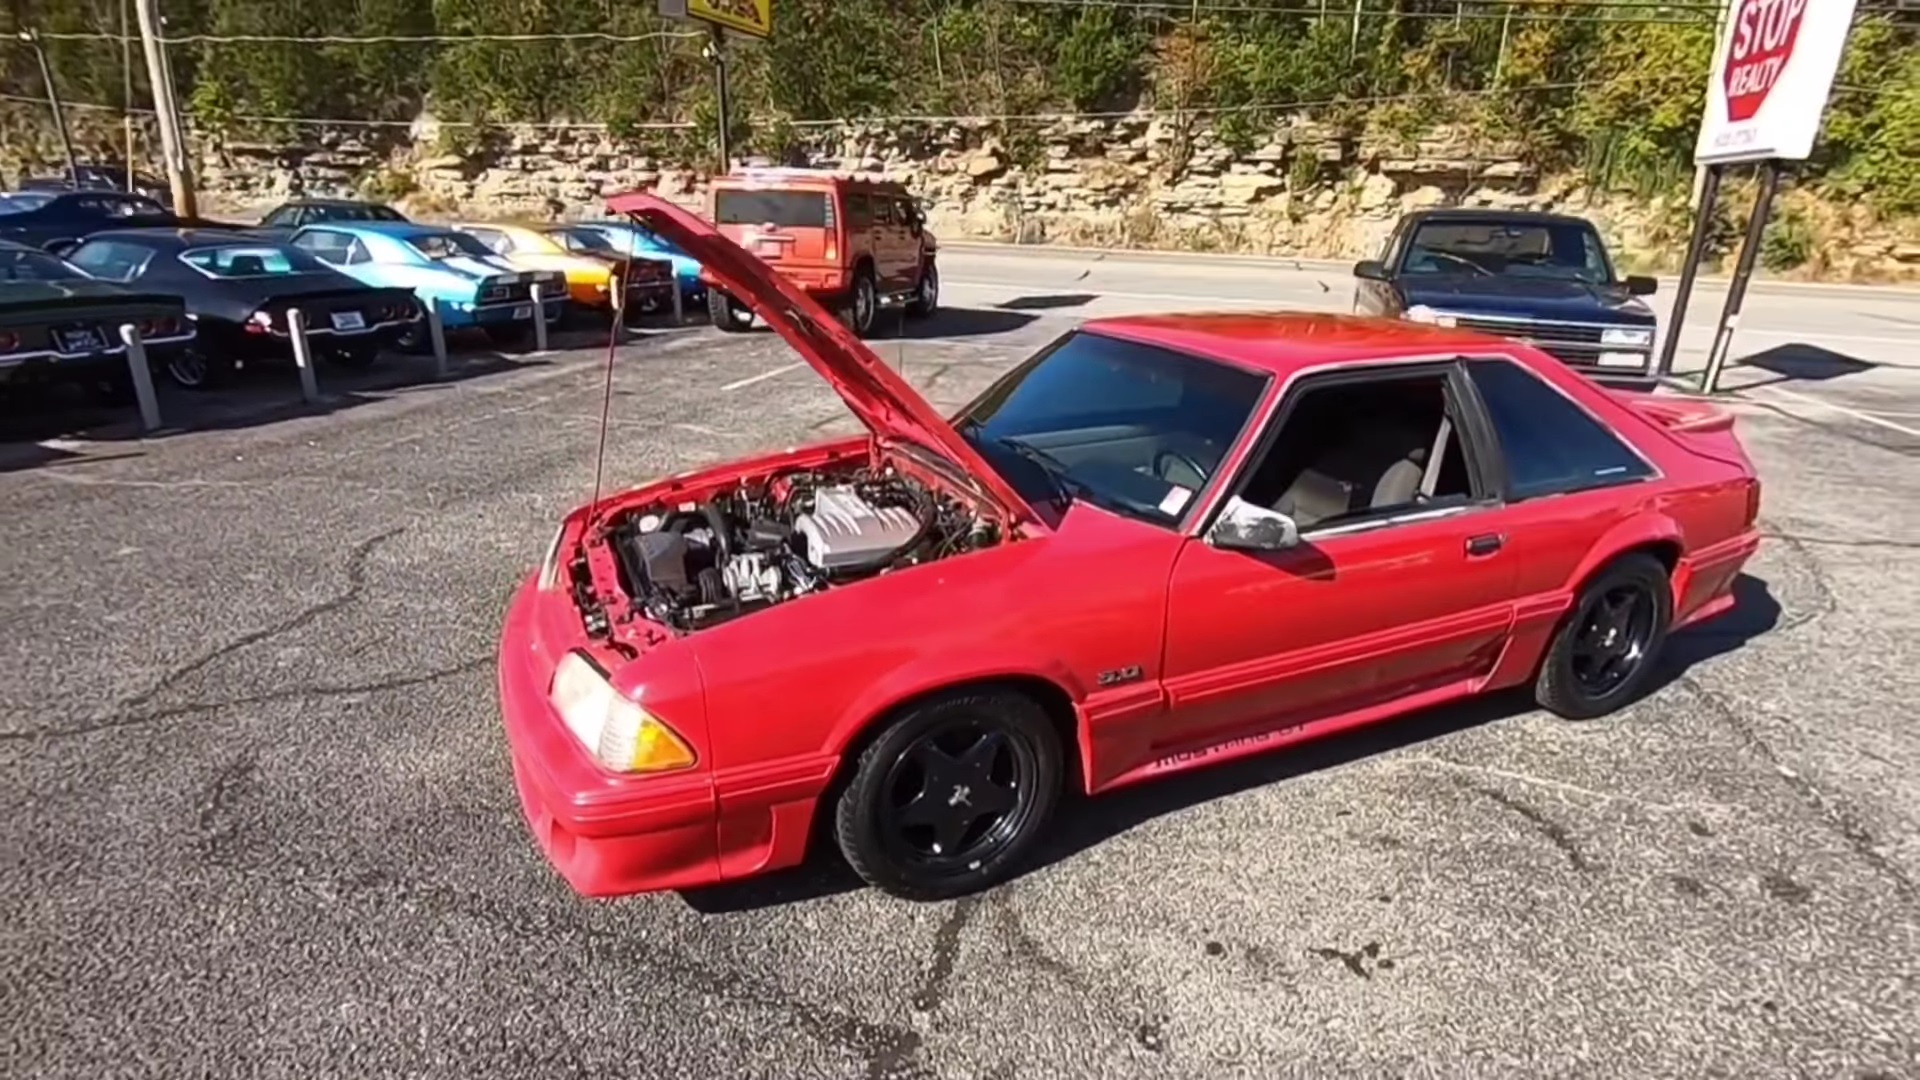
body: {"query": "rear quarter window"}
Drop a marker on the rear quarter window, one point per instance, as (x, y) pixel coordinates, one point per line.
(1552, 446)
(787, 209)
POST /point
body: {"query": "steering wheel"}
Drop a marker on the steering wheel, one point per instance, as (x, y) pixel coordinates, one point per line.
(1161, 459)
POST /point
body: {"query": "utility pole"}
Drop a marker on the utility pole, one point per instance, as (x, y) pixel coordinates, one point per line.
(126, 84)
(716, 52)
(32, 37)
(167, 110)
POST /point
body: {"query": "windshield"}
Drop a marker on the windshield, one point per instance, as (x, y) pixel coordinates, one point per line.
(1135, 429)
(448, 245)
(1569, 251)
(584, 240)
(33, 266)
(253, 261)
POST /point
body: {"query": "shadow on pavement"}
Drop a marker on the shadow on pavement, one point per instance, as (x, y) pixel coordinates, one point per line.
(1083, 823)
(1048, 302)
(956, 322)
(1800, 362)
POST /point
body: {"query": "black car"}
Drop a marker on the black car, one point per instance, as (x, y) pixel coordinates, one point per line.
(290, 216)
(57, 324)
(72, 216)
(239, 289)
(100, 177)
(1545, 279)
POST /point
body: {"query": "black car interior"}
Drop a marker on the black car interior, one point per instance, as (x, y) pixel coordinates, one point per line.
(1355, 450)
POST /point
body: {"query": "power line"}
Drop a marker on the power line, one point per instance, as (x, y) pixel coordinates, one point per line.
(378, 39)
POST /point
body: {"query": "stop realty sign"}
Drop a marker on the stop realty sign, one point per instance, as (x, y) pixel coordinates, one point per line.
(1771, 77)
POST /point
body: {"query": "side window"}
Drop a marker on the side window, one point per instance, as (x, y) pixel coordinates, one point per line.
(883, 213)
(1357, 451)
(282, 218)
(859, 210)
(906, 212)
(1391, 250)
(357, 253)
(1552, 446)
(110, 261)
(496, 242)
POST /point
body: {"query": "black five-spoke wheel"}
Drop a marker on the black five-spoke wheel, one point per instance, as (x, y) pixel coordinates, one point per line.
(1606, 650)
(952, 795)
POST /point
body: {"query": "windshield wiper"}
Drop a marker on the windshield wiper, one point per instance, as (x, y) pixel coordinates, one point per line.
(1065, 487)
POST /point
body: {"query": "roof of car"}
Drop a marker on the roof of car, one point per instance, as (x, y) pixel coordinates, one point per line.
(1284, 342)
(184, 237)
(399, 230)
(1488, 213)
(333, 202)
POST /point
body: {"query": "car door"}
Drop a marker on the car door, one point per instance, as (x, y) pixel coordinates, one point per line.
(1377, 296)
(1410, 600)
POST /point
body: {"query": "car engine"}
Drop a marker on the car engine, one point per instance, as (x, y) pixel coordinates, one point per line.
(694, 565)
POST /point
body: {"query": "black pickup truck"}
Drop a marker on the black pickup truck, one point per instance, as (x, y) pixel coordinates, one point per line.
(1545, 279)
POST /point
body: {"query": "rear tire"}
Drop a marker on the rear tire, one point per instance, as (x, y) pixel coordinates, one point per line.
(952, 796)
(926, 292)
(726, 314)
(192, 369)
(863, 307)
(1607, 649)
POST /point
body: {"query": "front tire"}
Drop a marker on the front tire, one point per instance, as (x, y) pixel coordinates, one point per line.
(1608, 647)
(952, 796)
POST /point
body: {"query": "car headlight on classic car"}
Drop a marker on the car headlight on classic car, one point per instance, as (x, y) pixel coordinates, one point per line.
(1421, 313)
(1627, 336)
(620, 734)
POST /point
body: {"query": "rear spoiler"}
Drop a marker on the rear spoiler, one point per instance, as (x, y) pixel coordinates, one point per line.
(1677, 414)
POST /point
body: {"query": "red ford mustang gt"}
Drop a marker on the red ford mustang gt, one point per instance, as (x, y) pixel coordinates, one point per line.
(1158, 544)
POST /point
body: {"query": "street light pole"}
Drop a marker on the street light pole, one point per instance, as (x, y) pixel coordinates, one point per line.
(167, 111)
(32, 37)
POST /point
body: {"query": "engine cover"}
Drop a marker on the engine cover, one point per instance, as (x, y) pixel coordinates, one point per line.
(846, 531)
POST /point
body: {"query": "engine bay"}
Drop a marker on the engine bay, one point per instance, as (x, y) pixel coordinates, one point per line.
(694, 564)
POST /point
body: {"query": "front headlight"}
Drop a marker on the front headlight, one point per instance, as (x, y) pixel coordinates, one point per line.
(620, 734)
(1626, 335)
(1421, 313)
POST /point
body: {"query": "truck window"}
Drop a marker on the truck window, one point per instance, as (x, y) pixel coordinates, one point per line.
(787, 209)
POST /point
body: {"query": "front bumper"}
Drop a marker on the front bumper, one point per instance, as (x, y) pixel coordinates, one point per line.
(607, 835)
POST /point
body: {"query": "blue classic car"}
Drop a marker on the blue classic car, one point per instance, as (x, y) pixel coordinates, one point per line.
(469, 285)
(629, 239)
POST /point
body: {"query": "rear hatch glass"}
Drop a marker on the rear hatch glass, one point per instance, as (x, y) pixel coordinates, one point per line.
(778, 226)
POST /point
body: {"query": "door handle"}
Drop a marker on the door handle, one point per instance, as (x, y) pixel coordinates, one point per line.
(1486, 544)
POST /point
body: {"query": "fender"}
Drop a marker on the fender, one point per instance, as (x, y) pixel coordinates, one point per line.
(1649, 527)
(940, 669)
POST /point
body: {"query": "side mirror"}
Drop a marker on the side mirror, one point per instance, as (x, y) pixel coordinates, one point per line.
(1638, 285)
(1370, 269)
(1243, 526)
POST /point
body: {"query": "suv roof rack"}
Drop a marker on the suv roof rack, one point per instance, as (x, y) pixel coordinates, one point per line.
(794, 172)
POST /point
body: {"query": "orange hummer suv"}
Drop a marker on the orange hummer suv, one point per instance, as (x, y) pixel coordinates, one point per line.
(857, 242)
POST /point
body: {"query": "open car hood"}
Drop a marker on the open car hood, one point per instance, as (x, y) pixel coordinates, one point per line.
(885, 402)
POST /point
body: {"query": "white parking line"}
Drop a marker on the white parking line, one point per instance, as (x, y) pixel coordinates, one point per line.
(1863, 417)
(764, 376)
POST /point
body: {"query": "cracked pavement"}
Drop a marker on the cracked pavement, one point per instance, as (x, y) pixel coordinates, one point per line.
(258, 819)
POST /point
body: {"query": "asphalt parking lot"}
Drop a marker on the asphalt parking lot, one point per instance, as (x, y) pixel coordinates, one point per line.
(258, 818)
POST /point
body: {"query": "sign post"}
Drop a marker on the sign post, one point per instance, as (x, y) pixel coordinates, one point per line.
(743, 18)
(1772, 74)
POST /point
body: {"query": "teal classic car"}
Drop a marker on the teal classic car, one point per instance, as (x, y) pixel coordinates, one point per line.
(630, 239)
(465, 282)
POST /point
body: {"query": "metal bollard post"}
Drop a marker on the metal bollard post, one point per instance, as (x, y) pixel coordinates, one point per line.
(437, 334)
(617, 309)
(142, 377)
(302, 355)
(679, 304)
(539, 321)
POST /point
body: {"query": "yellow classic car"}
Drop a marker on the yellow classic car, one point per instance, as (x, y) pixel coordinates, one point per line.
(589, 260)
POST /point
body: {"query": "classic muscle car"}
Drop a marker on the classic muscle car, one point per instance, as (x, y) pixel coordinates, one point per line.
(238, 289)
(469, 285)
(1544, 279)
(1160, 543)
(59, 324)
(630, 239)
(590, 264)
(287, 218)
